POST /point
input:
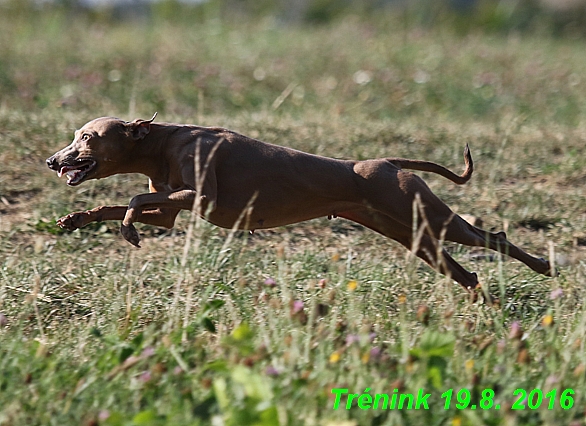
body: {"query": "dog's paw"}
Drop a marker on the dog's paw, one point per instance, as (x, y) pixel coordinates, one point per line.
(72, 221)
(130, 234)
(547, 270)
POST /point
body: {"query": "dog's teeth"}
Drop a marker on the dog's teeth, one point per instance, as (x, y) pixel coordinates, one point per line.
(72, 175)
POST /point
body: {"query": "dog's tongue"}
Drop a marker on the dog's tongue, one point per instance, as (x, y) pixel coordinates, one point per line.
(65, 169)
(73, 174)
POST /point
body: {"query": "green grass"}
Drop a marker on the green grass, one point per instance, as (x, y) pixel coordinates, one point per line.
(190, 329)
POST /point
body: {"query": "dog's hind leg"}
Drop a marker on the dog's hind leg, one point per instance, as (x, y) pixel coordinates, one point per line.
(460, 231)
(439, 218)
(427, 248)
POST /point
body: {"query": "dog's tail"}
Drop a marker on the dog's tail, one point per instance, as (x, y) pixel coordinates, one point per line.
(428, 166)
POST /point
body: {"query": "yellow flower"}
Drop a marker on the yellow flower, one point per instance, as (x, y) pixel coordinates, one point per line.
(352, 285)
(335, 257)
(365, 357)
(469, 365)
(456, 421)
(334, 358)
(547, 320)
(402, 298)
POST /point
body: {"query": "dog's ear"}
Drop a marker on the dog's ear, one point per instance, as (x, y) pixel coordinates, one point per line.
(140, 128)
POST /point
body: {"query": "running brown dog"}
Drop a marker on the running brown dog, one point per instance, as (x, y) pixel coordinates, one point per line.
(278, 185)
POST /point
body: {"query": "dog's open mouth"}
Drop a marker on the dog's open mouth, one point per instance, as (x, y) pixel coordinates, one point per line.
(76, 172)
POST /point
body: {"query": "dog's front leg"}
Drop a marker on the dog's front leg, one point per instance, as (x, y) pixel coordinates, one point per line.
(157, 217)
(175, 200)
(77, 220)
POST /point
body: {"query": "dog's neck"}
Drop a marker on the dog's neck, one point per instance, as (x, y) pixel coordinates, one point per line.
(158, 148)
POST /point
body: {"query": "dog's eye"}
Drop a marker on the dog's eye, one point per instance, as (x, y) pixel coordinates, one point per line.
(85, 137)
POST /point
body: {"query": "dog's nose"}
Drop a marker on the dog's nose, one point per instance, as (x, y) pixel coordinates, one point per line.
(52, 163)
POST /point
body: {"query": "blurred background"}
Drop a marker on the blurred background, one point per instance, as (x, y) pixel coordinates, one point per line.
(555, 16)
(395, 57)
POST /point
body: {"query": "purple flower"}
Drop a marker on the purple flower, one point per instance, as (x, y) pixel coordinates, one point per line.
(375, 352)
(500, 369)
(103, 415)
(552, 380)
(297, 306)
(556, 294)
(516, 331)
(271, 371)
(148, 352)
(352, 338)
(130, 361)
(269, 282)
(145, 376)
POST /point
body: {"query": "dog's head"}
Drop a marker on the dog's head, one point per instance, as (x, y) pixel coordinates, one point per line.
(98, 149)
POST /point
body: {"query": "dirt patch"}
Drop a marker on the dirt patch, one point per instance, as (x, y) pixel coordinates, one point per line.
(17, 207)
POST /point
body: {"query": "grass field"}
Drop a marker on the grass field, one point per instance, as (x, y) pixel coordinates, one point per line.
(203, 326)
